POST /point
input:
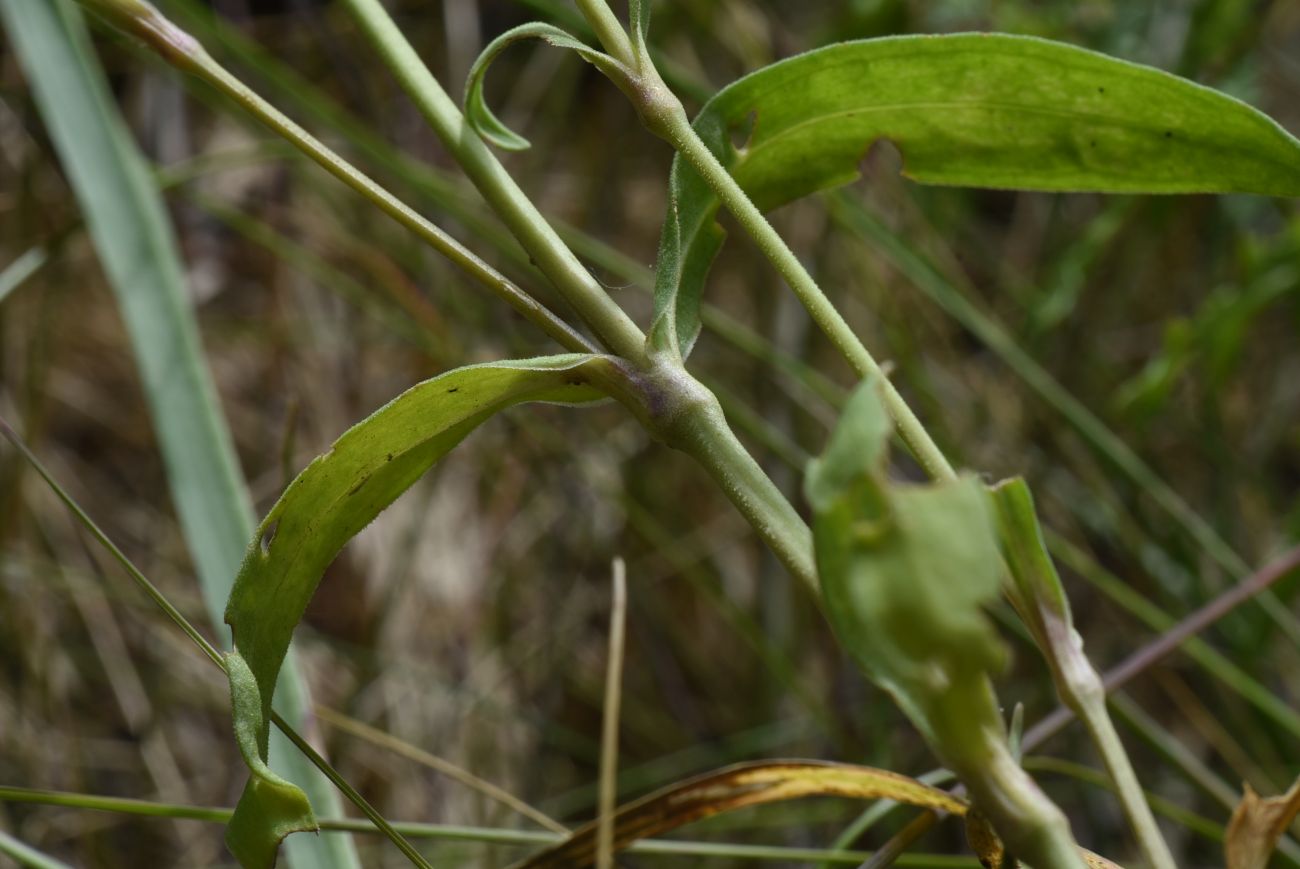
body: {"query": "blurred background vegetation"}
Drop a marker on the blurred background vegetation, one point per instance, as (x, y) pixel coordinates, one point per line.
(470, 620)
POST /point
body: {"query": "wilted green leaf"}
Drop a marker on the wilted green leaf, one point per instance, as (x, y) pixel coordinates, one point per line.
(905, 571)
(337, 495)
(980, 110)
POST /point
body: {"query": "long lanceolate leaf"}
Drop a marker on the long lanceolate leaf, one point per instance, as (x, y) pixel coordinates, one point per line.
(128, 225)
(336, 496)
(978, 110)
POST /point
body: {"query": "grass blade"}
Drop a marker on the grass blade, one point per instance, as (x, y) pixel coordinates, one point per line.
(128, 225)
(25, 855)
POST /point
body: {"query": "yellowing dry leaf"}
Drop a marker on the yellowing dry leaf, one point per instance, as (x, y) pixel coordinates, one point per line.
(746, 784)
(1256, 825)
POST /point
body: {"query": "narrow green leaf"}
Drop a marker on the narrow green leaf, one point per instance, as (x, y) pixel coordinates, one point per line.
(1036, 587)
(128, 224)
(981, 110)
(335, 497)
(480, 117)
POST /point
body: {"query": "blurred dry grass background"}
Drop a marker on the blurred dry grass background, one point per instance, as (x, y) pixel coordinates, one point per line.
(470, 620)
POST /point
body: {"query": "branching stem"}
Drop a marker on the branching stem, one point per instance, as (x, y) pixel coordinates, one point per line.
(666, 117)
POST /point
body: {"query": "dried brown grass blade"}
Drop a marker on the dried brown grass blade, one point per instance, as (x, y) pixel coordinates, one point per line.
(735, 787)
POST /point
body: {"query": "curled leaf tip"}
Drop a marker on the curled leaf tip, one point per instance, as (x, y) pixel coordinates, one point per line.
(480, 117)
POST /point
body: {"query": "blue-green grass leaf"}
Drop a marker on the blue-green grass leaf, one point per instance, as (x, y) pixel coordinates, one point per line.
(127, 222)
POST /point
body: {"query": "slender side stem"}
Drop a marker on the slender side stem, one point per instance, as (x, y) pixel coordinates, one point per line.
(666, 117)
(450, 832)
(184, 52)
(440, 765)
(1184, 632)
(608, 30)
(578, 286)
(1082, 690)
(354, 796)
(608, 796)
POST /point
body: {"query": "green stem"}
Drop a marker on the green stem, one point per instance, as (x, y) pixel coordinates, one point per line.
(697, 424)
(579, 287)
(1032, 827)
(495, 835)
(608, 30)
(1082, 691)
(184, 52)
(665, 116)
(686, 415)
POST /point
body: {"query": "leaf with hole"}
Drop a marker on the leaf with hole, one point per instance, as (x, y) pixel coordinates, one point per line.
(978, 110)
(336, 496)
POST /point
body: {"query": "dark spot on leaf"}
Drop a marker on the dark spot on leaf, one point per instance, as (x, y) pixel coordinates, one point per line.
(357, 487)
(1093, 143)
(1101, 90)
(390, 458)
(268, 536)
(453, 389)
(575, 381)
(1169, 134)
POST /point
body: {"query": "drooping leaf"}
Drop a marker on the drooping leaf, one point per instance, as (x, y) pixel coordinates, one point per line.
(905, 572)
(980, 110)
(477, 113)
(127, 221)
(335, 497)
(736, 787)
(1256, 825)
